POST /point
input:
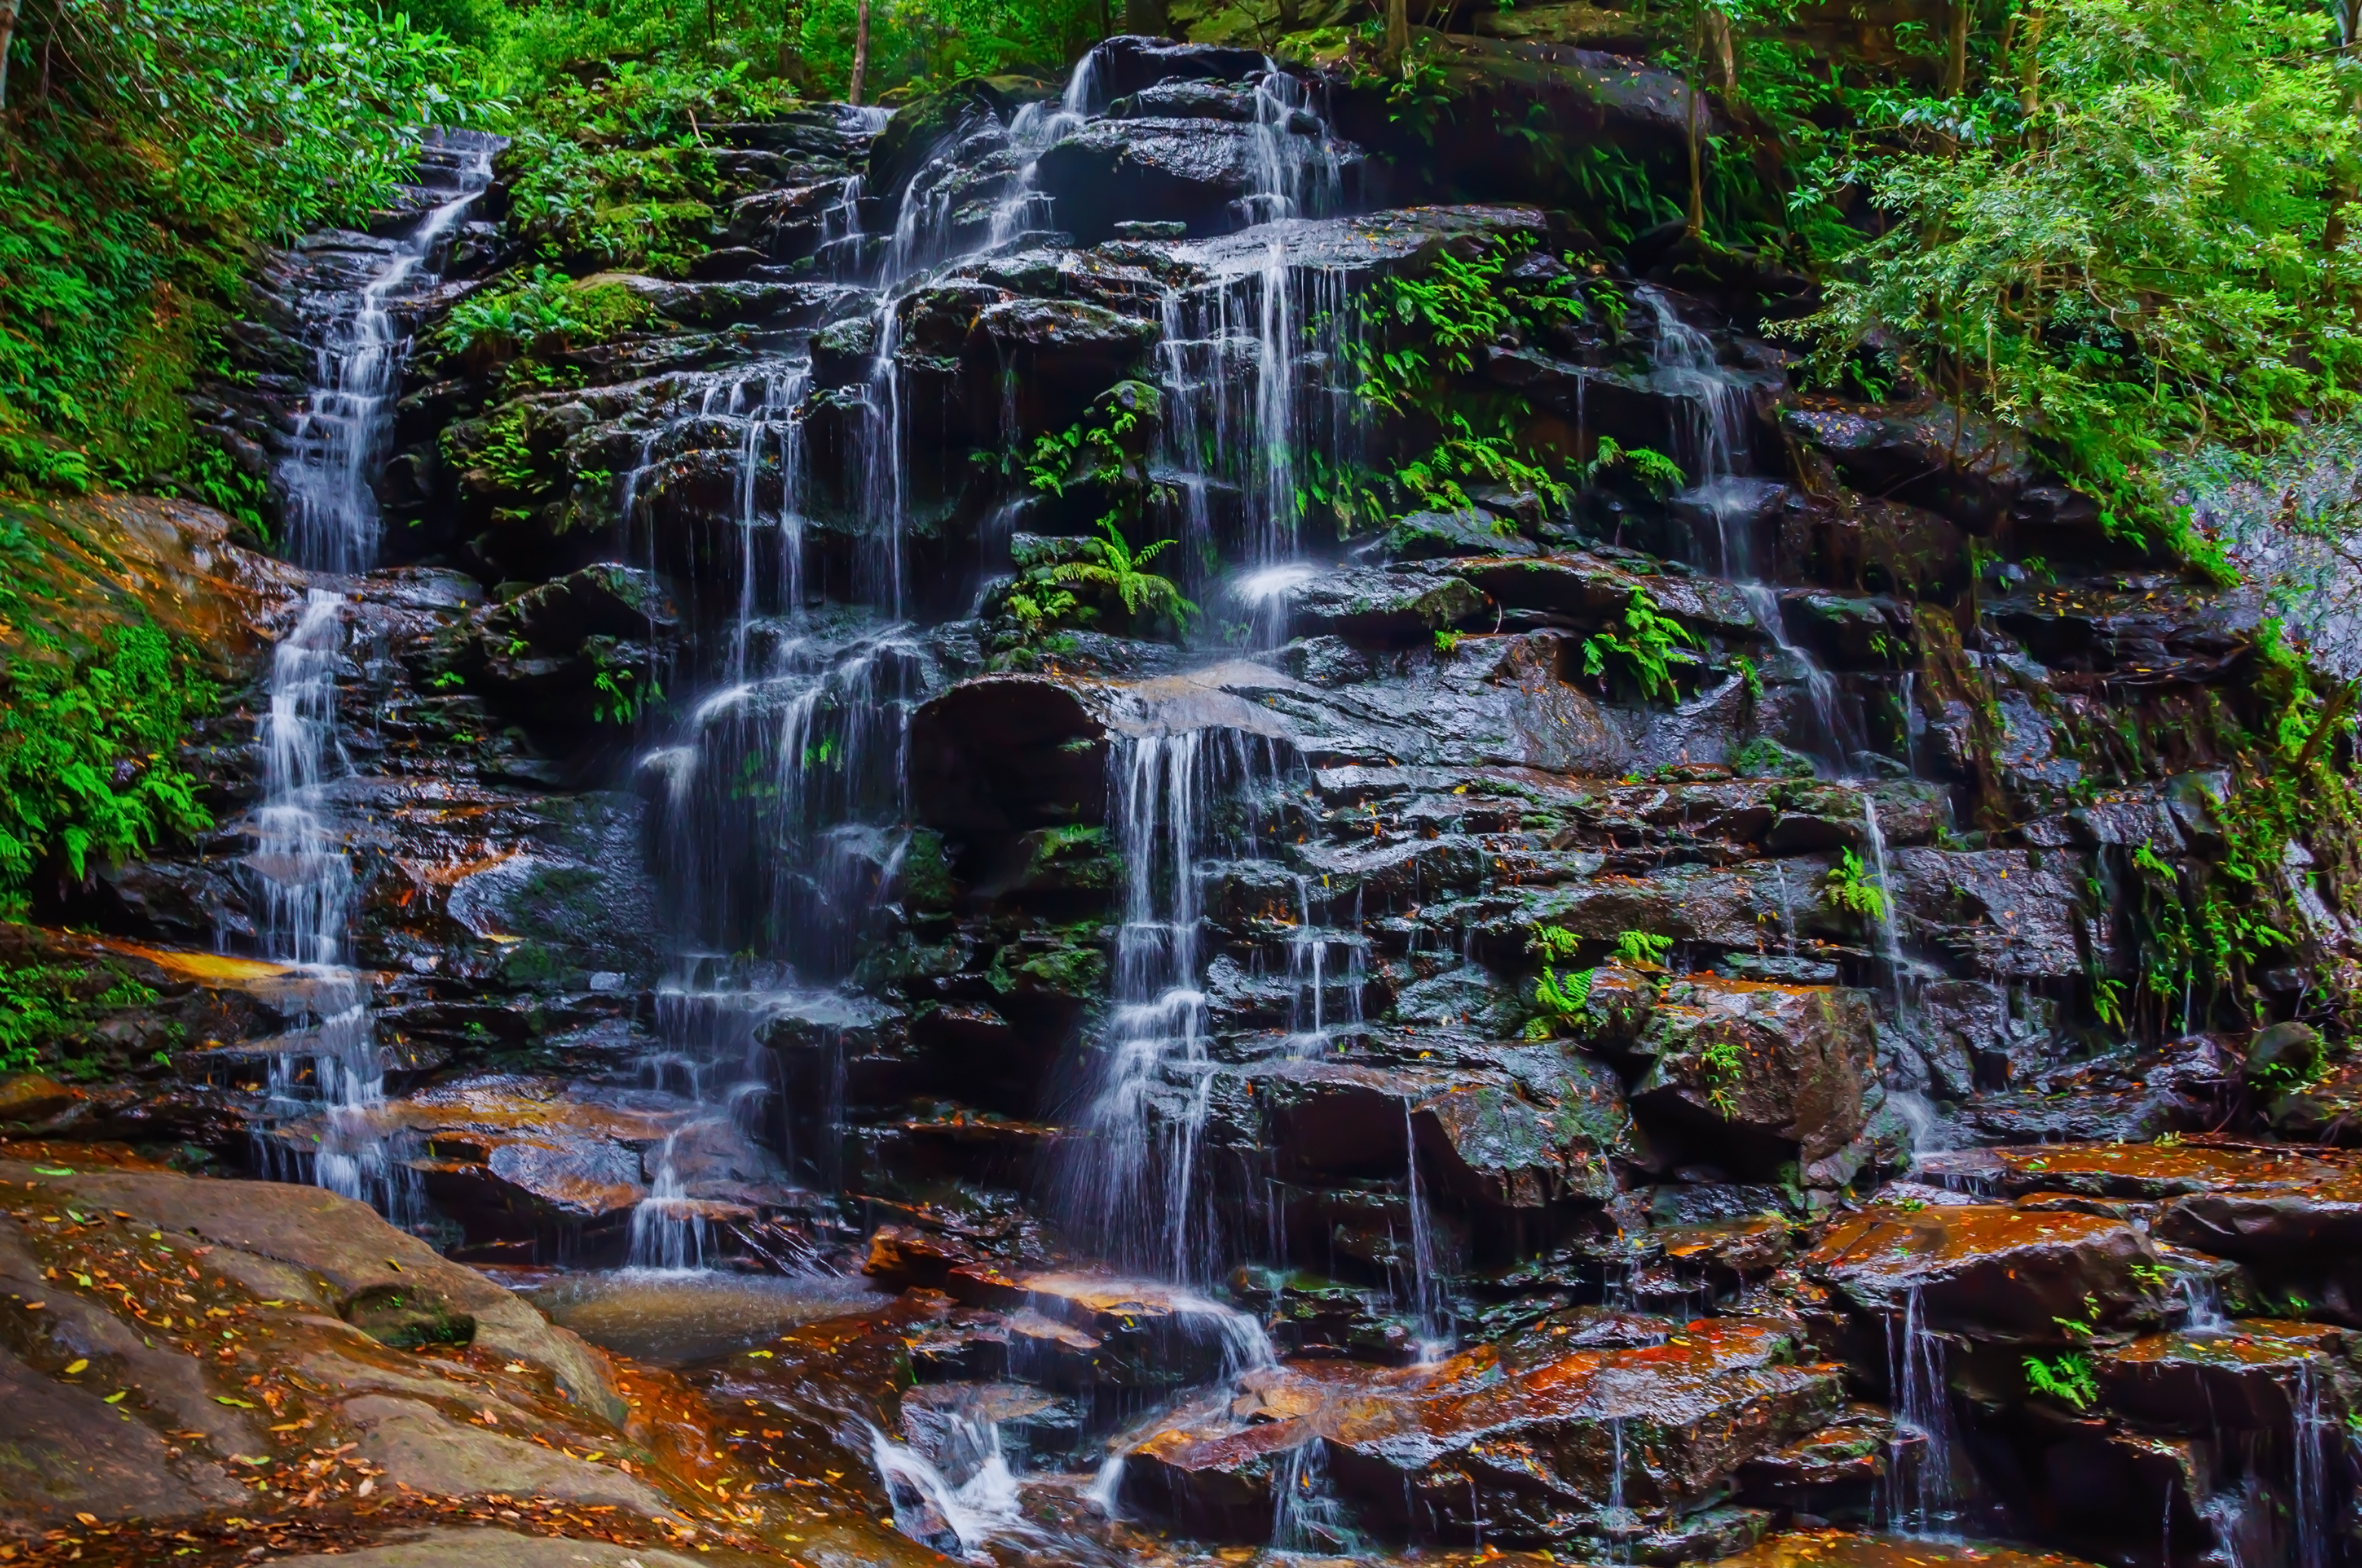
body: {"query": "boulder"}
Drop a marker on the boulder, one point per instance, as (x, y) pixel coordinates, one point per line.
(1160, 171)
(1935, 456)
(2143, 1171)
(1378, 605)
(2259, 1375)
(1779, 1065)
(1990, 1272)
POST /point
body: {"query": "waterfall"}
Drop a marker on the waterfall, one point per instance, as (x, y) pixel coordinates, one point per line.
(955, 1519)
(1157, 1026)
(338, 445)
(1889, 917)
(304, 876)
(1920, 1490)
(1427, 1294)
(1709, 441)
(2309, 1438)
(1308, 1516)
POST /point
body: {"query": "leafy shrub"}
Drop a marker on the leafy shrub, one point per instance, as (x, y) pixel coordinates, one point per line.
(543, 304)
(85, 745)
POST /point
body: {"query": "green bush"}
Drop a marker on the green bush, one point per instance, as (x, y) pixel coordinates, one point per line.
(86, 745)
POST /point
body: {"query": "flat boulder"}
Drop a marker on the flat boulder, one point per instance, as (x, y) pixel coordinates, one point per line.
(2142, 1171)
(2254, 1376)
(1379, 604)
(1990, 1271)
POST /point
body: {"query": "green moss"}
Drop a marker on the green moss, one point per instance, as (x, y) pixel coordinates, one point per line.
(52, 1012)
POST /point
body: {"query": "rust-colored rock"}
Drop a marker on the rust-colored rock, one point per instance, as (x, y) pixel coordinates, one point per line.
(1990, 1271)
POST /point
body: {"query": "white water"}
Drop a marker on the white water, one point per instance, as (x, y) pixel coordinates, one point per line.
(303, 873)
(977, 1509)
(1889, 917)
(330, 476)
(1921, 1491)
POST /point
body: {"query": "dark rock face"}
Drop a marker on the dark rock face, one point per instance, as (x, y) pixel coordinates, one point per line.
(1506, 1020)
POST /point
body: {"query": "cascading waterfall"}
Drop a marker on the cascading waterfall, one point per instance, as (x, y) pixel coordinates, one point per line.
(305, 877)
(300, 862)
(338, 445)
(1427, 1293)
(1710, 439)
(1157, 1027)
(1890, 915)
(1921, 1495)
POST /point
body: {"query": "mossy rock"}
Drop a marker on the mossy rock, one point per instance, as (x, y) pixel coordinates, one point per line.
(408, 1317)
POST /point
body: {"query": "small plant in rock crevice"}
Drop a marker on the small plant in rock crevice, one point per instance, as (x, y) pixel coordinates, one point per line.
(1849, 888)
(1645, 650)
(2064, 1377)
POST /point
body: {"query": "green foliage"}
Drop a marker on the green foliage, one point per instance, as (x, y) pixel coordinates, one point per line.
(1658, 473)
(54, 1006)
(1554, 943)
(1118, 569)
(1721, 1066)
(86, 744)
(1750, 676)
(1567, 998)
(2067, 1378)
(1848, 888)
(1642, 950)
(2135, 248)
(1445, 641)
(1645, 651)
(619, 694)
(1413, 359)
(543, 304)
(174, 136)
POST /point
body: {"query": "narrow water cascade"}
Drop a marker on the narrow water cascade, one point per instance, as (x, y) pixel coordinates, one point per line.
(329, 1071)
(1129, 1186)
(338, 450)
(1922, 1485)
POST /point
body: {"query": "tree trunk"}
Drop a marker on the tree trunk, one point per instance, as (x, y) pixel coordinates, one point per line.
(1696, 220)
(7, 40)
(860, 56)
(1397, 33)
(791, 34)
(2029, 64)
(1726, 55)
(1956, 62)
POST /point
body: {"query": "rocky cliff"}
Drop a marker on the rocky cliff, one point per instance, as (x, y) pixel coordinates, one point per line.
(1393, 886)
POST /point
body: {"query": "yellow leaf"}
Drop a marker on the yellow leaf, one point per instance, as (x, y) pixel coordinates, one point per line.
(118, 1396)
(81, 1365)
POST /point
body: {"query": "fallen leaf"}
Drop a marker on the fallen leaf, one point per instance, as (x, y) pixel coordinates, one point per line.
(53, 1170)
(81, 1364)
(226, 1399)
(119, 1395)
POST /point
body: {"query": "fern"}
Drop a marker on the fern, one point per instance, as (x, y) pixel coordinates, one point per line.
(1118, 569)
(1850, 891)
(2067, 1378)
(1645, 649)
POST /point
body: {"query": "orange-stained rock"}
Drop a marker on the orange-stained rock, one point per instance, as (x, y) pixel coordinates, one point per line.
(1990, 1271)
(1780, 1066)
(2129, 1170)
(2255, 1377)
(1524, 1438)
(1844, 1548)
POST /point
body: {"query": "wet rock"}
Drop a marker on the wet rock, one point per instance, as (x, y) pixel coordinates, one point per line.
(1843, 1549)
(1783, 1067)
(1139, 1335)
(2007, 913)
(1006, 753)
(901, 1255)
(1122, 67)
(1377, 606)
(1831, 1474)
(2256, 1375)
(1434, 535)
(1591, 594)
(2145, 1171)
(1937, 457)
(1990, 1271)
(2284, 1052)
(1530, 1447)
(1165, 171)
